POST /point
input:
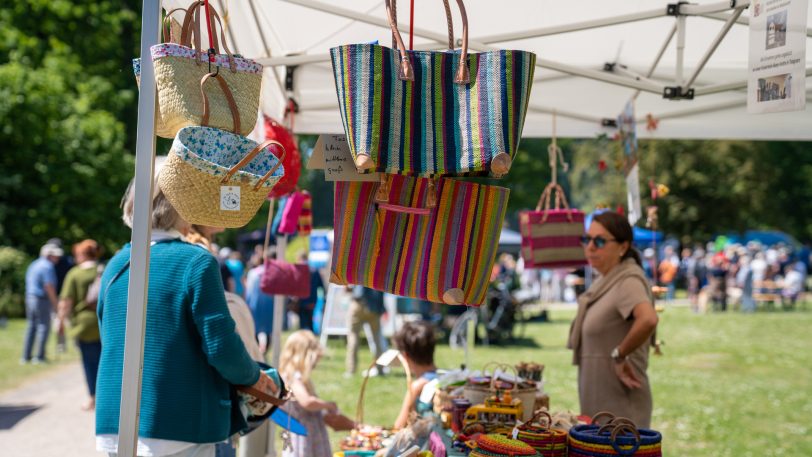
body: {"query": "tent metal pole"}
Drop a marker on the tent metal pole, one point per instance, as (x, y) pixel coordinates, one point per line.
(730, 85)
(742, 20)
(678, 76)
(632, 74)
(710, 8)
(601, 76)
(714, 45)
(573, 27)
(137, 287)
(569, 114)
(473, 44)
(658, 57)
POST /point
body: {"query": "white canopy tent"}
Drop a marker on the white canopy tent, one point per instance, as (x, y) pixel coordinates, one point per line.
(593, 57)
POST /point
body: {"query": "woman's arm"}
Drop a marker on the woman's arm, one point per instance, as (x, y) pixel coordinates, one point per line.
(645, 321)
(309, 401)
(409, 403)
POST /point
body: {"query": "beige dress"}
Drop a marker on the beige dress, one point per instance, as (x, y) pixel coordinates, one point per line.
(606, 323)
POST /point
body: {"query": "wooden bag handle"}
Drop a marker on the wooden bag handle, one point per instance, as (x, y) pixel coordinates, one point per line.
(250, 156)
(359, 407)
(406, 71)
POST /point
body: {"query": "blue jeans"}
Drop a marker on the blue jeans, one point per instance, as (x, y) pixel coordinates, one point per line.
(224, 450)
(91, 353)
(38, 314)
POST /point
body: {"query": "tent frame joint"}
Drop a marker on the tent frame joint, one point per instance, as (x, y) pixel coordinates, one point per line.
(609, 122)
(678, 93)
(674, 9)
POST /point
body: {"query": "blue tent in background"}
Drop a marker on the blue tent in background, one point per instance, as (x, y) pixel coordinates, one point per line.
(646, 236)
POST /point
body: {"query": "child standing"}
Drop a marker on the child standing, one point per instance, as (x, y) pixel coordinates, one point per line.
(299, 357)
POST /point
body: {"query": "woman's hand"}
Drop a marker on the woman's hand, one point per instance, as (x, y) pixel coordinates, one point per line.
(266, 384)
(625, 372)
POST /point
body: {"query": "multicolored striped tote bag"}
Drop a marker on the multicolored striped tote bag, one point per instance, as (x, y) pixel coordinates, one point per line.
(418, 238)
(551, 238)
(432, 113)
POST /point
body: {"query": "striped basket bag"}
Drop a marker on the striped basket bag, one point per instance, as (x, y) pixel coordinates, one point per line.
(551, 238)
(546, 441)
(179, 68)
(500, 446)
(432, 113)
(617, 437)
(418, 238)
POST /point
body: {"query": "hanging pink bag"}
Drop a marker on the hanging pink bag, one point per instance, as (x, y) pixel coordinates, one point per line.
(551, 237)
(290, 215)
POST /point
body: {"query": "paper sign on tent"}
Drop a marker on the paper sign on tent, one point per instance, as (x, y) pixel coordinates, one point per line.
(332, 154)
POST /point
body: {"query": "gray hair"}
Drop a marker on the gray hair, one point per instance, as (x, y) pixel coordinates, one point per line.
(164, 216)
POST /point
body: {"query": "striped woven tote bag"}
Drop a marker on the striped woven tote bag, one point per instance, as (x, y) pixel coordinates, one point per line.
(418, 238)
(430, 113)
(551, 237)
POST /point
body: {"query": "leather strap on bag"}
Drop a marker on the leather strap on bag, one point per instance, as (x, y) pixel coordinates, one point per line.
(232, 104)
(250, 156)
(264, 396)
(190, 36)
(406, 71)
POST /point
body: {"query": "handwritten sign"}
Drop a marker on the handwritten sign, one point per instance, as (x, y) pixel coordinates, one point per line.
(332, 154)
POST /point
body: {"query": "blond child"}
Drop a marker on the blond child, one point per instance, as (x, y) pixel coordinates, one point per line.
(299, 357)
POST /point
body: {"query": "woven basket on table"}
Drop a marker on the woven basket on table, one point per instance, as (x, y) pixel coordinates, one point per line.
(548, 442)
(617, 437)
(205, 168)
(477, 394)
(501, 446)
(179, 68)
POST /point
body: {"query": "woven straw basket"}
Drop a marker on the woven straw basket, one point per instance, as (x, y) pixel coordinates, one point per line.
(179, 68)
(219, 179)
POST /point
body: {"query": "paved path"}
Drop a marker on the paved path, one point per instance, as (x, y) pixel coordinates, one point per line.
(43, 418)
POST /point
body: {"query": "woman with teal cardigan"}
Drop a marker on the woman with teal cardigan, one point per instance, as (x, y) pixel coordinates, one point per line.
(192, 353)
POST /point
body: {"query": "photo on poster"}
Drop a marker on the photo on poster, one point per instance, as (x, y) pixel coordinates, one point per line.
(776, 30)
(778, 87)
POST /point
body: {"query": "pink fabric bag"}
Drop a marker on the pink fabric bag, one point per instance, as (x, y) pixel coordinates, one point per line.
(283, 278)
(290, 216)
(551, 238)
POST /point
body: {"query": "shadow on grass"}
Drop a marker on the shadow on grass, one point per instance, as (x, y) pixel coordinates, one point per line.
(10, 415)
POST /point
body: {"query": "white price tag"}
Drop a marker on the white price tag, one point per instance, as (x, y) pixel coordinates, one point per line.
(229, 198)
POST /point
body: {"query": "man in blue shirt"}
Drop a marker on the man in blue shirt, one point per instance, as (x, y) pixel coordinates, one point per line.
(40, 301)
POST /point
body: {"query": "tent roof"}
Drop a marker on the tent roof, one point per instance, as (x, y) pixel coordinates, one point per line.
(281, 32)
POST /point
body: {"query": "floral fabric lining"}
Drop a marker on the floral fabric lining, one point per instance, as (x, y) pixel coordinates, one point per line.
(171, 49)
(215, 151)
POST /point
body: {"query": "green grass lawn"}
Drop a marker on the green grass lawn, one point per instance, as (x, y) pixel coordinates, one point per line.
(12, 374)
(728, 385)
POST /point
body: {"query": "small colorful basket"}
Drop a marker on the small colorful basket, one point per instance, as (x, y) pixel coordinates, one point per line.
(500, 446)
(618, 437)
(546, 441)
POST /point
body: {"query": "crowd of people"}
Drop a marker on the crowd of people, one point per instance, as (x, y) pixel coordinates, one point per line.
(740, 274)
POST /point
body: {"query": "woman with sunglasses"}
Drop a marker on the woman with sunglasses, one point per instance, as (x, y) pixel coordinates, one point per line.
(611, 334)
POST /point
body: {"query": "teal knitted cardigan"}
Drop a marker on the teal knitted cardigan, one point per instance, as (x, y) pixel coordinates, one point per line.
(192, 352)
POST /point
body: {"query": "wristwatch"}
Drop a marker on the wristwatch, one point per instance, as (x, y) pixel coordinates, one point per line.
(616, 355)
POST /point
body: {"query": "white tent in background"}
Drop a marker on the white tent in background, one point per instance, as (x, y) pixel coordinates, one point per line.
(593, 57)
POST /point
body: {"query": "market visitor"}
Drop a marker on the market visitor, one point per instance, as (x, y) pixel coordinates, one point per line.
(260, 304)
(79, 306)
(192, 354)
(40, 302)
(610, 336)
(298, 359)
(307, 305)
(366, 307)
(416, 341)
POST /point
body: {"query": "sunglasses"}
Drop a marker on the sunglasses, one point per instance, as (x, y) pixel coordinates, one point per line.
(598, 240)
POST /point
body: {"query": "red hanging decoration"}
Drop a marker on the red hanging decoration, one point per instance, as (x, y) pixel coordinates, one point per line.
(601, 165)
(292, 162)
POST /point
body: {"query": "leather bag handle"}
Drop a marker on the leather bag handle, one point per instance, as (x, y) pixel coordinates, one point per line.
(406, 71)
(232, 105)
(382, 198)
(250, 156)
(191, 32)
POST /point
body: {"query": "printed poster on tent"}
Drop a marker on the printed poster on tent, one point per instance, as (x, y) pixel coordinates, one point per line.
(777, 76)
